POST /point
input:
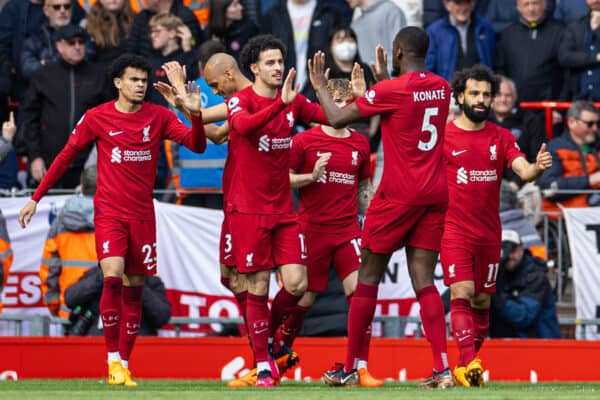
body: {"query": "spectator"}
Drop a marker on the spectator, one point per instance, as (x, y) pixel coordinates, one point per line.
(460, 40)
(303, 26)
(86, 292)
(501, 14)
(378, 24)
(6, 255)
(135, 5)
(569, 11)
(230, 25)
(576, 164)
(70, 248)
(523, 306)
(172, 41)
(527, 128)
(538, 75)
(59, 94)
(39, 48)
(8, 156)
(413, 11)
(20, 19)
(109, 23)
(580, 53)
(434, 10)
(139, 37)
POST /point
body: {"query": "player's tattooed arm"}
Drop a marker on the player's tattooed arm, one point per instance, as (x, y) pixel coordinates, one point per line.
(337, 117)
(528, 171)
(364, 195)
(379, 67)
(299, 180)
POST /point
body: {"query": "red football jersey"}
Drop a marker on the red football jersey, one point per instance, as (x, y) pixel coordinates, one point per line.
(475, 161)
(413, 109)
(262, 128)
(330, 204)
(229, 168)
(128, 146)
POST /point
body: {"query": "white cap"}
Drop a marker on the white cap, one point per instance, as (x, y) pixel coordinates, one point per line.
(508, 235)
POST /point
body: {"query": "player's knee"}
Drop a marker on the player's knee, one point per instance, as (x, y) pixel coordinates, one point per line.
(296, 285)
(481, 300)
(237, 283)
(461, 290)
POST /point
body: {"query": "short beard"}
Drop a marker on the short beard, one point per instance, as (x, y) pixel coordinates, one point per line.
(476, 116)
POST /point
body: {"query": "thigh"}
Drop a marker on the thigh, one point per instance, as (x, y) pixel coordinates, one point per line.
(487, 262)
(111, 237)
(289, 243)
(346, 256)
(252, 234)
(141, 255)
(319, 259)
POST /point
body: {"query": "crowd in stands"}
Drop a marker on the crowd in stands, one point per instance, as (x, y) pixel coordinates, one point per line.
(54, 55)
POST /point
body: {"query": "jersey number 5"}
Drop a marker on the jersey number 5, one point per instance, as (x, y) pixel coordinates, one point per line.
(429, 127)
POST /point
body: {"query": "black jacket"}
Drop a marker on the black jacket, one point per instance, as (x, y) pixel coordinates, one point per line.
(326, 18)
(156, 309)
(58, 95)
(573, 56)
(529, 56)
(139, 37)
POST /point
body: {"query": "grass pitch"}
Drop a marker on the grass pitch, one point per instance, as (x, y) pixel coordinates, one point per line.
(89, 389)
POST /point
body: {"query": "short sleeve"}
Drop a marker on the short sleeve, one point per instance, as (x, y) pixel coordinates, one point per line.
(381, 97)
(512, 149)
(297, 152)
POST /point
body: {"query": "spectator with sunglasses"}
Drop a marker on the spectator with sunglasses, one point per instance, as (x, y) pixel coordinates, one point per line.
(57, 97)
(576, 160)
(40, 48)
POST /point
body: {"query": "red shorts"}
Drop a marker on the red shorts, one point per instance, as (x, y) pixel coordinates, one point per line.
(390, 226)
(133, 240)
(343, 250)
(226, 256)
(464, 262)
(265, 241)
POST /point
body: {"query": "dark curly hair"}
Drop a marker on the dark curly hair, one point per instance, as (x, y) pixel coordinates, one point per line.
(251, 51)
(477, 72)
(117, 67)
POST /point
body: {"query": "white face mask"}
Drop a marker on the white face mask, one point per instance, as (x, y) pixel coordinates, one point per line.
(345, 51)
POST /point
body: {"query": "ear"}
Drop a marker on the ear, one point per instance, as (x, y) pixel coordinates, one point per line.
(460, 99)
(117, 82)
(254, 69)
(228, 74)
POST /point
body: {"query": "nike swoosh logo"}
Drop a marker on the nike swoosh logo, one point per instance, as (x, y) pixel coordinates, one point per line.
(132, 332)
(303, 257)
(111, 133)
(488, 285)
(258, 332)
(319, 154)
(460, 339)
(108, 325)
(149, 267)
(227, 256)
(456, 153)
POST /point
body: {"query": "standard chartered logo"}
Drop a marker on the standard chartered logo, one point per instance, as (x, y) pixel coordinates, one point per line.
(116, 156)
(461, 176)
(264, 143)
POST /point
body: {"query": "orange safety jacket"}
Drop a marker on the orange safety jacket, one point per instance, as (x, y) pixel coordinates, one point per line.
(6, 254)
(69, 252)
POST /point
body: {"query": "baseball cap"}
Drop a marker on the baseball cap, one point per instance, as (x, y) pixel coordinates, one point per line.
(510, 240)
(71, 31)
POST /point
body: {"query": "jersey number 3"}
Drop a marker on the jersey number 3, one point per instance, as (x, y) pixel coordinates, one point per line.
(429, 127)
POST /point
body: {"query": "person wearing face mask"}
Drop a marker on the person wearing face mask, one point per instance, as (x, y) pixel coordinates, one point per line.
(577, 159)
(476, 151)
(229, 25)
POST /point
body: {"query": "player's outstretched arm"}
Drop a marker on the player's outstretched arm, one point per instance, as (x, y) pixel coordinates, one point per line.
(215, 113)
(379, 67)
(176, 75)
(300, 180)
(338, 118)
(358, 83)
(364, 195)
(528, 171)
(288, 90)
(26, 213)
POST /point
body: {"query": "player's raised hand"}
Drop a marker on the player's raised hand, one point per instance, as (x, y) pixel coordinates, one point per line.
(176, 75)
(168, 92)
(357, 81)
(316, 71)
(191, 99)
(379, 67)
(543, 160)
(319, 168)
(26, 213)
(289, 91)
(9, 128)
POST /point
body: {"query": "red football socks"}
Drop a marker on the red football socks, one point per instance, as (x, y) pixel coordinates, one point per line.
(283, 303)
(463, 330)
(257, 313)
(110, 312)
(291, 326)
(360, 317)
(481, 322)
(131, 318)
(434, 324)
